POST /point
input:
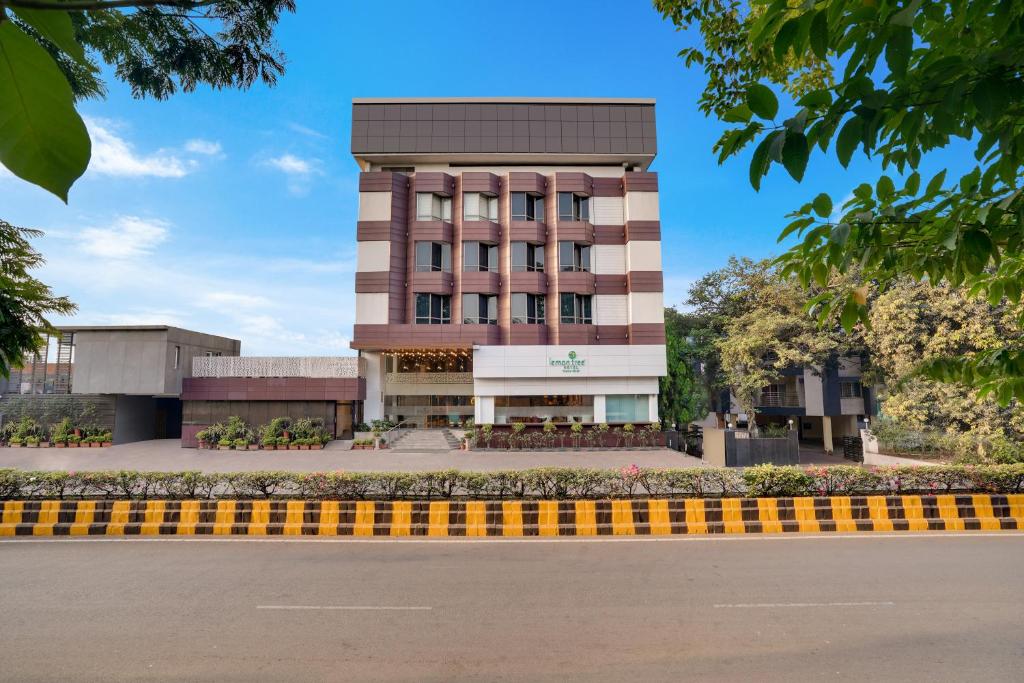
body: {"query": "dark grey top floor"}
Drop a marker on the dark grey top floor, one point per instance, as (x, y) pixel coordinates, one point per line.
(533, 130)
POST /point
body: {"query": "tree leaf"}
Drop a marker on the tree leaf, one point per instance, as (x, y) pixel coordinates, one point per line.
(56, 27)
(759, 162)
(913, 183)
(819, 34)
(850, 314)
(42, 138)
(840, 234)
(784, 38)
(739, 114)
(794, 154)
(762, 101)
(816, 99)
(885, 188)
(905, 17)
(848, 139)
(976, 248)
(823, 205)
(935, 184)
(898, 47)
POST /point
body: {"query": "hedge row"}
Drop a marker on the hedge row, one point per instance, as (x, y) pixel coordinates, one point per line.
(548, 482)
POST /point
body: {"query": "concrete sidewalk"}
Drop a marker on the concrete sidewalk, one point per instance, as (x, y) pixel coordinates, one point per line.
(167, 455)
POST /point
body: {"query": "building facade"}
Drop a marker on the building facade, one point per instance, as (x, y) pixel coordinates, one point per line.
(127, 379)
(509, 260)
(823, 404)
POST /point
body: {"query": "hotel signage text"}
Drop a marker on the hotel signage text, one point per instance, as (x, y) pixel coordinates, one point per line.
(570, 365)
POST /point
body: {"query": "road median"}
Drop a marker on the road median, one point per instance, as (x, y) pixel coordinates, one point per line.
(528, 518)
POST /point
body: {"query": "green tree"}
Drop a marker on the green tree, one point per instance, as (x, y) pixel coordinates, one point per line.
(24, 301)
(682, 398)
(913, 322)
(50, 52)
(900, 81)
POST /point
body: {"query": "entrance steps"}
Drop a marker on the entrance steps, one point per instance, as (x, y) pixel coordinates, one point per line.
(425, 441)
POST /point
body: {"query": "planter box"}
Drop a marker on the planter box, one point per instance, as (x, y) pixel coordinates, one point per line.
(223, 448)
(32, 445)
(304, 447)
(252, 447)
(96, 444)
(74, 444)
(44, 444)
(60, 444)
(15, 445)
(317, 447)
(108, 444)
(293, 446)
(270, 448)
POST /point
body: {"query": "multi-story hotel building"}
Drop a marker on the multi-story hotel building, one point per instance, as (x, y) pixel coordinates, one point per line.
(509, 260)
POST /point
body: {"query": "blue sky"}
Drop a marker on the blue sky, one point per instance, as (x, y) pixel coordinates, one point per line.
(234, 212)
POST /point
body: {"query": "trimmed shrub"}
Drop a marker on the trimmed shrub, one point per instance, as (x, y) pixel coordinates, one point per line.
(546, 482)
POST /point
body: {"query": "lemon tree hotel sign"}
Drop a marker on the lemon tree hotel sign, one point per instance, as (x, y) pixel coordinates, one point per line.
(570, 364)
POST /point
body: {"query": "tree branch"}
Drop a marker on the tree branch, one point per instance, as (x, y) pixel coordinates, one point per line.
(91, 5)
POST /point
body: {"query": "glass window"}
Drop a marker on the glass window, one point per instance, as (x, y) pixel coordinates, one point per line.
(433, 207)
(527, 207)
(527, 309)
(850, 390)
(575, 309)
(573, 257)
(527, 257)
(479, 256)
(479, 309)
(433, 257)
(433, 309)
(626, 408)
(477, 206)
(573, 207)
(177, 357)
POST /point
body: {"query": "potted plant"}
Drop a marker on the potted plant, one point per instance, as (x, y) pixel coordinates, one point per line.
(224, 445)
(95, 441)
(269, 443)
(282, 443)
(59, 444)
(32, 441)
(74, 441)
(106, 439)
(203, 437)
(16, 442)
(240, 444)
(303, 444)
(45, 443)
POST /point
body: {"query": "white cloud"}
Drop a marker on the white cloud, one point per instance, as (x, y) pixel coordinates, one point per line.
(305, 130)
(200, 146)
(113, 155)
(232, 300)
(293, 165)
(126, 237)
(298, 171)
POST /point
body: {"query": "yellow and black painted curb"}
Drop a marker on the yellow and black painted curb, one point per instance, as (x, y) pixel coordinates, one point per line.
(656, 517)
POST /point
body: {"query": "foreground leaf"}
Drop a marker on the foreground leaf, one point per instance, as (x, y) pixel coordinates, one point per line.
(42, 138)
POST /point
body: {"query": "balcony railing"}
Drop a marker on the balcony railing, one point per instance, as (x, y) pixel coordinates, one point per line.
(278, 366)
(779, 399)
(429, 378)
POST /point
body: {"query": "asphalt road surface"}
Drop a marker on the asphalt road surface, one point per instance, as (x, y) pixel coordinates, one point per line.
(910, 608)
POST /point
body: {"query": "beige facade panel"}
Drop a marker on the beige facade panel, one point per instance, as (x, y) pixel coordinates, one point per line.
(646, 307)
(642, 206)
(645, 255)
(610, 259)
(373, 257)
(607, 211)
(375, 206)
(372, 309)
(610, 309)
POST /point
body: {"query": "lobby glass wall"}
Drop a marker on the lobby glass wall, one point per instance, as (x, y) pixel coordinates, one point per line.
(533, 409)
(428, 388)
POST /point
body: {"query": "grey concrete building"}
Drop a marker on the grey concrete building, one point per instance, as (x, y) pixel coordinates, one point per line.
(127, 378)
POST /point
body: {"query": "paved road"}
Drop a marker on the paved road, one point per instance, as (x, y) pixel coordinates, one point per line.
(938, 607)
(167, 454)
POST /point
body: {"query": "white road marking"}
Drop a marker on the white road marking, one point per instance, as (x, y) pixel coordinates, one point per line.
(710, 538)
(353, 608)
(806, 604)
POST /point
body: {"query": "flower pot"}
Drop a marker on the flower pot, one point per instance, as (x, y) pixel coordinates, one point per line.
(223, 448)
(286, 434)
(293, 446)
(107, 444)
(60, 444)
(78, 433)
(73, 444)
(252, 447)
(271, 447)
(95, 444)
(44, 444)
(304, 447)
(317, 447)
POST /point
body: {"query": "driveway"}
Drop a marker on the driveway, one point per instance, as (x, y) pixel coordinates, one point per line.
(168, 455)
